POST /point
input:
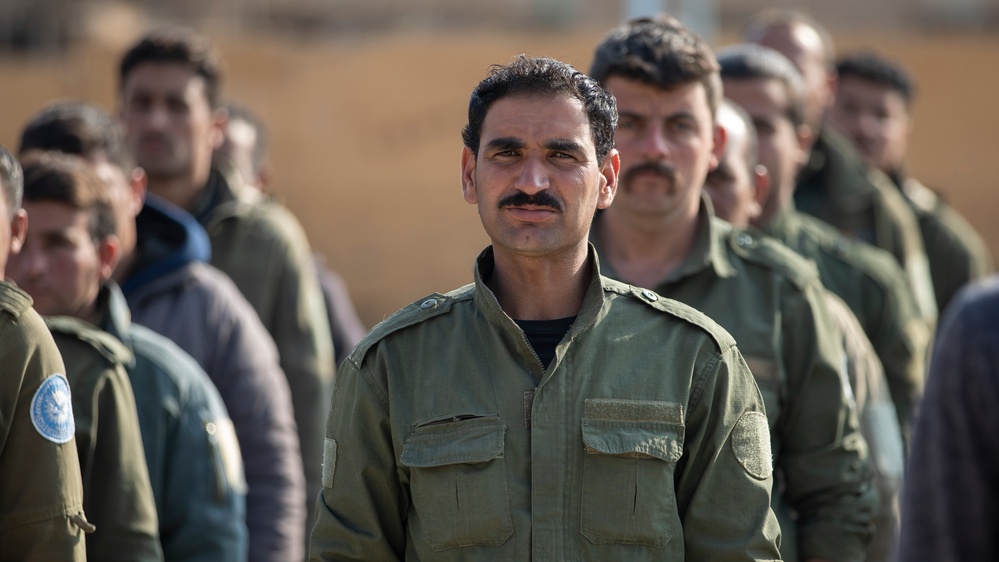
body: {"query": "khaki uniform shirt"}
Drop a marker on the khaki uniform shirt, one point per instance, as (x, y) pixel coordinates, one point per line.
(262, 247)
(771, 301)
(837, 188)
(956, 252)
(874, 287)
(117, 495)
(41, 494)
(644, 439)
(878, 423)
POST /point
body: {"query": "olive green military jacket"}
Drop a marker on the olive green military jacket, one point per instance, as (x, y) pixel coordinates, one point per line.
(772, 303)
(41, 494)
(262, 247)
(874, 287)
(645, 438)
(836, 187)
(117, 495)
(956, 252)
(879, 425)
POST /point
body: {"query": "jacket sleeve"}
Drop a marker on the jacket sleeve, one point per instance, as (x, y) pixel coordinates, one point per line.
(203, 511)
(726, 475)
(824, 457)
(360, 514)
(301, 330)
(247, 374)
(950, 498)
(42, 487)
(118, 496)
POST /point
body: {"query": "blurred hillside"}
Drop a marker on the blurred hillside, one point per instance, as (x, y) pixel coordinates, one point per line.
(365, 122)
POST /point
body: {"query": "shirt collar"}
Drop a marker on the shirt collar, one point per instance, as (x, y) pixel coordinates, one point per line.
(708, 251)
(485, 299)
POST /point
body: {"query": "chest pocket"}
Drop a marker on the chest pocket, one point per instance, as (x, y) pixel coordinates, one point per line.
(628, 494)
(458, 482)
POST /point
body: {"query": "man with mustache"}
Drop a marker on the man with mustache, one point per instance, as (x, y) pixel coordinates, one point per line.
(661, 233)
(544, 412)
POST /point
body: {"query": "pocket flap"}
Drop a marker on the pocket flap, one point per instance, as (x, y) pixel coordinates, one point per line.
(462, 445)
(647, 439)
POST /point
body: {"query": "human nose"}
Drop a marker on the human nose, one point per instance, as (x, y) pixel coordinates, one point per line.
(533, 176)
(653, 143)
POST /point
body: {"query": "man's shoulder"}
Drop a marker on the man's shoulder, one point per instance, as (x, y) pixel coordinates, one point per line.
(872, 262)
(22, 330)
(770, 255)
(74, 336)
(157, 356)
(259, 220)
(418, 312)
(676, 311)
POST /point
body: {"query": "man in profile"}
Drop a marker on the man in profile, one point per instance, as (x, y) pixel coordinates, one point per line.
(41, 491)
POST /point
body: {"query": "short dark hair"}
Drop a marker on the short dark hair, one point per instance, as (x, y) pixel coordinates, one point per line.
(80, 129)
(747, 61)
(176, 45)
(529, 76)
(239, 112)
(875, 68)
(660, 52)
(11, 181)
(70, 180)
(777, 17)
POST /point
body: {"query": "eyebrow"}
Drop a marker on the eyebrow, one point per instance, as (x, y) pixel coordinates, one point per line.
(505, 143)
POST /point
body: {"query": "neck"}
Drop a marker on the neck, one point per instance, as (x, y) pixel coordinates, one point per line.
(180, 190)
(540, 288)
(644, 252)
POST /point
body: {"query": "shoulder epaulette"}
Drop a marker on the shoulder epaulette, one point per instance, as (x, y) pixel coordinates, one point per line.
(761, 249)
(106, 344)
(419, 311)
(672, 307)
(13, 300)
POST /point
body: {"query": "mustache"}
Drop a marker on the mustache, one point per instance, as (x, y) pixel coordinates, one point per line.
(653, 166)
(160, 137)
(539, 199)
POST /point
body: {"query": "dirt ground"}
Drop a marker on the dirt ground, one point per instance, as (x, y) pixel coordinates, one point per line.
(365, 134)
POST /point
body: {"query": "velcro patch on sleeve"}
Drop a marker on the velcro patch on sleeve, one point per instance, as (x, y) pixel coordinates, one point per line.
(751, 445)
(329, 462)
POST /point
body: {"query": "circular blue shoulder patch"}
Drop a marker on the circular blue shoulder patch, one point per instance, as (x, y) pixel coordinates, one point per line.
(52, 410)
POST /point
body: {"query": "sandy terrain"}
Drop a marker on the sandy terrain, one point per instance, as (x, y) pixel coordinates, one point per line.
(365, 135)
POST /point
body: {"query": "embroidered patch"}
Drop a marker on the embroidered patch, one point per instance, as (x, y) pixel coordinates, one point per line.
(751, 444)
(329, 462)
(52, 410)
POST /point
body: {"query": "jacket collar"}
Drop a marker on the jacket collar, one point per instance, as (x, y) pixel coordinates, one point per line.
(708, 251)
(113, 315)
(485, 299)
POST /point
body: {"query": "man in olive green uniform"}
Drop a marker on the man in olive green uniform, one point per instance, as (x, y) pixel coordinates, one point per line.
(544, 412)
(738, 187)
(117, 494)
(834, 185)
(873, 100)
(258, 243)
(768, 87)
(661, 232)
(190, 447)
(41, 492)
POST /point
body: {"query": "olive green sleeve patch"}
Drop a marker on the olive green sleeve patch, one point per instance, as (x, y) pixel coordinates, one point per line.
(751, 444)
(329, 462)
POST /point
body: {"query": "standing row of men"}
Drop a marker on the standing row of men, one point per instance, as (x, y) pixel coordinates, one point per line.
(550, 426)
(189, 321)
(564, 406)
